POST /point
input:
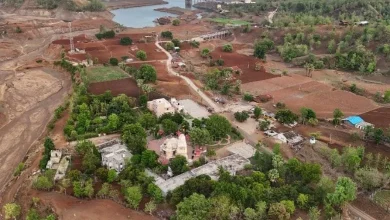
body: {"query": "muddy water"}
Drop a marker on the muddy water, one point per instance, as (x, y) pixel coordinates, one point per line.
(144, 16)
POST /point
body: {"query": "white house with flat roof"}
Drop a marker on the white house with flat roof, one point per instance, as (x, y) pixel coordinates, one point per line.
(114, 154)
(55, 158)
(160, 106)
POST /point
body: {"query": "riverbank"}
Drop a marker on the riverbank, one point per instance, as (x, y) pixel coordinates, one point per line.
(173, 10)
(112, 5)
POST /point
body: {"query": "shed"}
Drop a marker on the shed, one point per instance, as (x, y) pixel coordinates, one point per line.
(354, 120)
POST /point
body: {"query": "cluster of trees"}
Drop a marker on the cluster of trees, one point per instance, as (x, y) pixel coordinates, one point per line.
(286, 116)
(98, 114)
(126, 41)
(220, 80)
(13, 3)
(272, 190)
(105, 34)
(377, 135)
(141, 55)
(262, 47)
(49, 146)
(92, 5)
(167, 34)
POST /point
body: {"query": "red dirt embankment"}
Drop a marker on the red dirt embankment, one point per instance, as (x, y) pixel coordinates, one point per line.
(379, 117)
(70, 208)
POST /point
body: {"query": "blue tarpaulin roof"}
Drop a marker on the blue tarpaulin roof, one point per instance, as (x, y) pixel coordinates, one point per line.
(354, 120)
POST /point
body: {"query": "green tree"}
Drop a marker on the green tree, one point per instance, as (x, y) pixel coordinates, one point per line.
(332, 46)
(257, 112)
(169, 46)
(32, 214)
(113, 122)
(205, 53)
(222, 208)
(178, 165)
(155, 192)
(133, 196)
(345, 192)
(176, 22)
(149, 159)
(227, 48)
(195, 207)
(114, 61)
(104, 191)
(126, 41)
(218, 126)
(241, 116)
(134, 136)
(260, 51)
(19, 169)
(351, 158)
(264, 125)
(337, 115)
(167, 34)
(289, 205)
(369, 178)
(11, 210)
(42, 182)
(200, 137)
(148, 121)
(147, 73)
(286, 116)
(248, 97)
(169, 126)
(111, 176)
(176, 42)
(141, 55)
(90, 162)
(307, 114)
(302, 200)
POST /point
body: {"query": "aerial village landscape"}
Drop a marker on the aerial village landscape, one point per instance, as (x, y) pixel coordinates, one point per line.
(194, 109)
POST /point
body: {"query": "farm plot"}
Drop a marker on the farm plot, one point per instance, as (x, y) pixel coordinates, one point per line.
(102, 50)
(247, 65)
(323, 99)
(379, 117)
(103, 73)
(126, 86)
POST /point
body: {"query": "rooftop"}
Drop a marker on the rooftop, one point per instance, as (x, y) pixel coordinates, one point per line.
(354, 119)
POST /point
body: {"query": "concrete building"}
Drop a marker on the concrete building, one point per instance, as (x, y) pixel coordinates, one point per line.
(174, 146)
(357, 122)
(290, 138)
(232, 164)
(160, 107)
(114, 154)
(55, 158)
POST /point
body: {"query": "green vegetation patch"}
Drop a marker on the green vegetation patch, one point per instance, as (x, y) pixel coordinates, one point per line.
(105, 73)
(229, 21)
(383, 198)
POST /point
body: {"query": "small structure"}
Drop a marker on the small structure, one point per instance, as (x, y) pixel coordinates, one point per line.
(174, 146)
(160, 107)
(55, 158)
(114, 154)
(343, 23)
(291, 138)
(270, 133)
(357, 122)
(362, 23)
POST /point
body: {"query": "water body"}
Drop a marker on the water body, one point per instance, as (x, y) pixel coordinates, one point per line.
(144, 16)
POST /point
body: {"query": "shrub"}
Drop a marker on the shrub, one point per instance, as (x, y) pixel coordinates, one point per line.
(227, 48)
(126, 41)
(194, 44)
(141, 55)
(248, 97)
(18, 30)
(241, 116)
(105, 34)
(114, 61)
(167, 34)
(220, 62)
(169, 46)
(205, 53)
(176, 42)
(176, 22)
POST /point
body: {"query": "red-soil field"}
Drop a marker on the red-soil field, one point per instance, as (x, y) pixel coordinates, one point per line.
(104, 49)
(126, 86)
(323, 99)
(245, 63)
(379, 117)
(69, 208)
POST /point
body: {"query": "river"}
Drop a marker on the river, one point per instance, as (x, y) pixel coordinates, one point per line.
(144, 16)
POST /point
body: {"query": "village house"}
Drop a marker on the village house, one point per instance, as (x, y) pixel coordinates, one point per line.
(55, 158)
(291, 138)
(114, 154)
(178, 107)
(357, 122)
(160, 107)
(174, 146)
